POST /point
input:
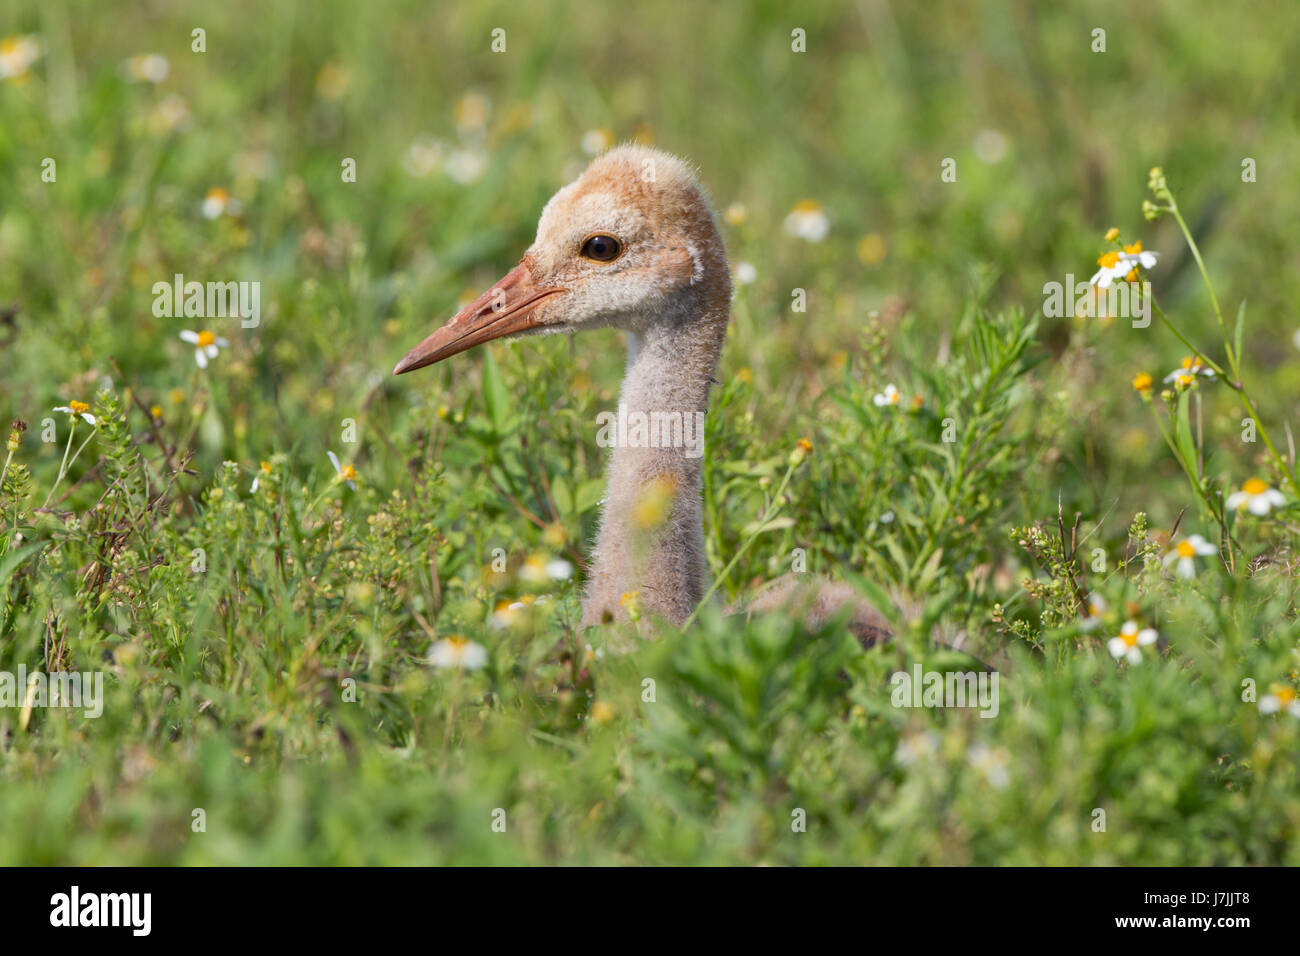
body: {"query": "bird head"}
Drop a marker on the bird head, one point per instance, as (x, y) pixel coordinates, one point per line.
(630, 244)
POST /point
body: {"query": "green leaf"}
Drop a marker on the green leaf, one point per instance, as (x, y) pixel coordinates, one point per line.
(748, 468)
(776, 524)
(560, 492)
(896, 553)
(1237, 331)
(588, 495)
(946, 659)
(495, 396)
(877, 596)
(931, 570)
(12, 561)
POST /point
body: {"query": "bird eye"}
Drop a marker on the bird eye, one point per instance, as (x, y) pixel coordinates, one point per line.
(602, 248)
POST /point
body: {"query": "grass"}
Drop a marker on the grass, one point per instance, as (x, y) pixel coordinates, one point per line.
(268, 691)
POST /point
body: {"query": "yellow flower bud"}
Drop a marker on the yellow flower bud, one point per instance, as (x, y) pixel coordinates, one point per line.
(16, 436)
(802, 449)
(631, 603)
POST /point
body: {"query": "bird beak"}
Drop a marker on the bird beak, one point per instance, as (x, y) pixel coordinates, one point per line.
(505, 309)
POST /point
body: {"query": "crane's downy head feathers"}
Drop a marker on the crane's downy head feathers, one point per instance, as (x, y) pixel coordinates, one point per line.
(648, 205)
(631, 243)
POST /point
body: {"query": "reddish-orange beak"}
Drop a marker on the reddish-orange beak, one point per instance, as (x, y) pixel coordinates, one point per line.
(505, 309)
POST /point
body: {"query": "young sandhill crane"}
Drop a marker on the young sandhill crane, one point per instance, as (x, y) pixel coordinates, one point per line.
(632, 244)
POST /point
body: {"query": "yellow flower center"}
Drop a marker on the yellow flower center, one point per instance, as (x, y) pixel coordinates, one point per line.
(1129, 636)
(78, 407)
(1286, 696)
(347, 473)
(1108, 260)
(808, 206)
(1133, 249)
(804, 445)
(1254, 487)
(266, 467)
(1186, 550)
(1112, 234)
(628, 598)
(1142, 382)
(206, 338)
(458, 642)
(9, 46)
(217, 194)
(1185, 381)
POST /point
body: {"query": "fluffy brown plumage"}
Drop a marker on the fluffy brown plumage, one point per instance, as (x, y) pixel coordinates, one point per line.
(669, 288)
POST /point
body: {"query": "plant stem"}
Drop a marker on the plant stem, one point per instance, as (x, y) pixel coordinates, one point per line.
(1214, 300)
(1218, 369)
(768, 514)
(63, 466)
(1178, 455)
(1234, 381)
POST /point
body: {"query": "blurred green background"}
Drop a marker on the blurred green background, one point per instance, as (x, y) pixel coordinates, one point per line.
(226, 165)
(457, 148)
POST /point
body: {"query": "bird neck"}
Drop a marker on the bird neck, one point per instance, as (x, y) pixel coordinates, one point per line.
(651, 538)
